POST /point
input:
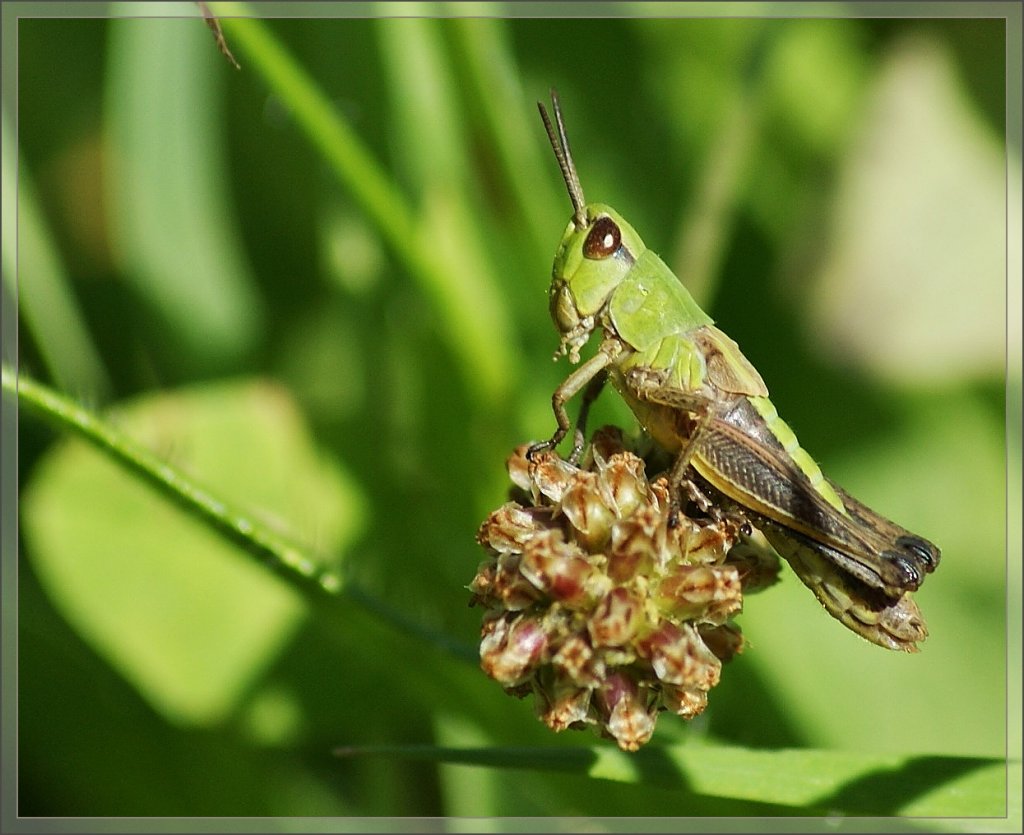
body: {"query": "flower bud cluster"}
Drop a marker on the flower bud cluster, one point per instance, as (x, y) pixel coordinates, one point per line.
(600, 603)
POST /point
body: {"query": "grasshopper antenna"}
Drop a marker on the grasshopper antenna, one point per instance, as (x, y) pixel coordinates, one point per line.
(560, 145)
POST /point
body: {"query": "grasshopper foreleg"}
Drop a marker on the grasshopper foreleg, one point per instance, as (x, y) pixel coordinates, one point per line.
(590, 394)
(590, 376)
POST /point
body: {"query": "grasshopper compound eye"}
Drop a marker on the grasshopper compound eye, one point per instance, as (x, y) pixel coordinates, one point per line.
(604, 239)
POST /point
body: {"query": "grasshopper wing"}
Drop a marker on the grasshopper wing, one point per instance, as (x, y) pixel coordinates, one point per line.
(925, 552)
(766, 481)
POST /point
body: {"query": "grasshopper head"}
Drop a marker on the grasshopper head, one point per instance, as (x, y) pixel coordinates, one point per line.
(591, 261)
(597, 251)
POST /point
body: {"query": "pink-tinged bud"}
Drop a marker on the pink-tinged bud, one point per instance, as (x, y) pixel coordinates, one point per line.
(552, 476)
(626, 564)
(701, 593)
(555, 568)
(482, 584)
(662, 649)
(679, 656)
(511, 588)
(690, 588)
(519, 469)
(576, 662)
(623, 706)
(511, 647)
(500, 582)
(707, 543)
(616, 687)
(623, 484)
(728, 597)
(581, 503)
(507, 529)
(616, 619)
(633, 545)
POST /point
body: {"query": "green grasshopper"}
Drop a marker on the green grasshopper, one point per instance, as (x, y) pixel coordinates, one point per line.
(702, 401)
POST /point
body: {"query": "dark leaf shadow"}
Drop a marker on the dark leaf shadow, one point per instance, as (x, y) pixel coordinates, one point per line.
(886, 792)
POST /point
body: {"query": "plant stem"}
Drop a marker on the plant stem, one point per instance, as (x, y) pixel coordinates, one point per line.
(275, 551)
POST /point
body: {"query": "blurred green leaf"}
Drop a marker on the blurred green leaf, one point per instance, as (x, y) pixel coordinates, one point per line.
(474, 320)
(181, 614)
(170, 210)
(914, 284)
(494, 80)
(431, 148)
(816, 78)
(39, 282)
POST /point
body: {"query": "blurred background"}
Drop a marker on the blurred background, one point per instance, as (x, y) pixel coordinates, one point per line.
(344, 332)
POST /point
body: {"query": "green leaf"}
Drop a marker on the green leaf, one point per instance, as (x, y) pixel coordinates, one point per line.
(39, 281)
(184, 616)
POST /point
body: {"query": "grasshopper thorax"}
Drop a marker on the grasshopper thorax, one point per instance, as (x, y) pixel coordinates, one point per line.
(592, 260)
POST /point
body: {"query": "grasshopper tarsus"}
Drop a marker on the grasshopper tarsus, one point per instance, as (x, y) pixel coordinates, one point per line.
(577, 448)
(543, 446)
(538, 448)
(697, 496)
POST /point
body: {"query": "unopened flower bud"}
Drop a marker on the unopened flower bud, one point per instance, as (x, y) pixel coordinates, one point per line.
(511, 648)
(625, 708)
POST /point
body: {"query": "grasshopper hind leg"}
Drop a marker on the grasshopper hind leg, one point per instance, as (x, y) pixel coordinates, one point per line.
(677, 476)
(647, 384)
(708, 502)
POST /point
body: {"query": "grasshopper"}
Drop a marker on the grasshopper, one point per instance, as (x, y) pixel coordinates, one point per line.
(701, 400)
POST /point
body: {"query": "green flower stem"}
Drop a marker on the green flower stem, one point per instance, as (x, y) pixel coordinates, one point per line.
(280, 555)
(274, 551)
